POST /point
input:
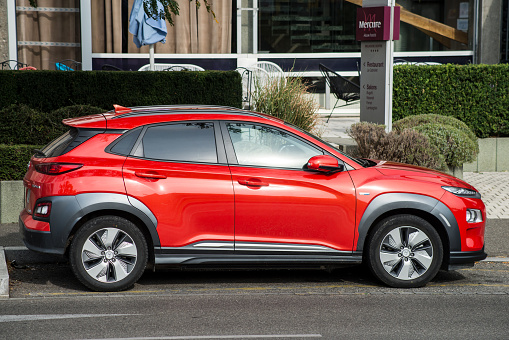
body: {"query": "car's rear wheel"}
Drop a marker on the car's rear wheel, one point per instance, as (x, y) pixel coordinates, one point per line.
(108, 253)
(405, 251)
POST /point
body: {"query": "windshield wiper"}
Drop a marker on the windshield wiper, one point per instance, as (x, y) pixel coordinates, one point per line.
(363, 162)
(39, 152)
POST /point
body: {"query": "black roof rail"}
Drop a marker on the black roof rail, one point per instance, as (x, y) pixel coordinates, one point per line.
(194, 111)
(179, 106)
(184, 109)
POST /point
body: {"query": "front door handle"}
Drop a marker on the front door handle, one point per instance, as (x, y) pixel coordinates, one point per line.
(253, 182)
(150, 175)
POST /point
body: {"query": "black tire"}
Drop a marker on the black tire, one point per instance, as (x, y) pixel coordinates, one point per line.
(108, 253)
(405, 251)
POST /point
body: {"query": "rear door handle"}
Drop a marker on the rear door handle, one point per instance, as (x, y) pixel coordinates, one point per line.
(150, 175)
(253, 182)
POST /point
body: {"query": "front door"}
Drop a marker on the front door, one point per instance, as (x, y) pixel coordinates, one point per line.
(279, 206)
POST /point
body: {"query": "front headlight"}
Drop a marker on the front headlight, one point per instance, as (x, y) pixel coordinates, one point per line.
(463, 192)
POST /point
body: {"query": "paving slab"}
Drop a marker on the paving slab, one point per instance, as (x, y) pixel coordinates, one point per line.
(494, 188)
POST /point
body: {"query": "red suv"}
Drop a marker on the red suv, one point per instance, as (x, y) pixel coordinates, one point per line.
(208, 185)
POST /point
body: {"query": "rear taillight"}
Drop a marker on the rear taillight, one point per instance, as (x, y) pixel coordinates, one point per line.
(42, 210)
(56, 168)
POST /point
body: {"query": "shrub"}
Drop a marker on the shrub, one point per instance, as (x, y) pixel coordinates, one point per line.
(370, 139)
(14, 160)
(287, 99)
(407, 146)
(454, 144)
(24, 125)
(55, 117)
(413, 121)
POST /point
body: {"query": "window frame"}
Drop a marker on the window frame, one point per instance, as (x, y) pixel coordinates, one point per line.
(220, 152)
(232, 157)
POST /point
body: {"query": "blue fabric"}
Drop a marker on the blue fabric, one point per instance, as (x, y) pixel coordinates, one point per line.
(62, 67)
(146, 30)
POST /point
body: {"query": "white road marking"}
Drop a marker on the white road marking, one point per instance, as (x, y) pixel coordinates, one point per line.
(39, 317)
(198, 337)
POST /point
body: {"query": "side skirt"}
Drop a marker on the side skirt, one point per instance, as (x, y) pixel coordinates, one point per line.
(256, 259)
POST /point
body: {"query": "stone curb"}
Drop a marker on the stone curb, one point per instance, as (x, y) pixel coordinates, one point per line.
(4, 276)
(25, 256)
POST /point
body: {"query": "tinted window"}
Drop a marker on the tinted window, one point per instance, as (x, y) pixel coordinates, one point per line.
(264, 146)
(188, 142)
(58, 145)
(68, 141)
(125, 143)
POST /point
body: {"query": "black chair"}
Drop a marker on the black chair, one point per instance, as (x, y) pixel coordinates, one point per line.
(6, 65)
(108, 67)
(247, 81)
(341, 87)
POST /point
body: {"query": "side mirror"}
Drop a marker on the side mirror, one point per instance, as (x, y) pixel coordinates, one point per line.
(325, 163)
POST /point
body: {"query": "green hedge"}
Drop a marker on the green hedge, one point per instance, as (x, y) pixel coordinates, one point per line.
(24, 125)
(478, 95)
(50, 90)
(14, 160)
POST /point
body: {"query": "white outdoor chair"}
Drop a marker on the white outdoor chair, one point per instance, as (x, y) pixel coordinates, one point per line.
(172, 67)
(273, 70)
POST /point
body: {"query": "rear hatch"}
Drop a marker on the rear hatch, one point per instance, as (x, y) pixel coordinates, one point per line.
(44, 164)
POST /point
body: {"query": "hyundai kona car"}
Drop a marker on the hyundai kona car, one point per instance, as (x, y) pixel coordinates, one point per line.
(217, 186)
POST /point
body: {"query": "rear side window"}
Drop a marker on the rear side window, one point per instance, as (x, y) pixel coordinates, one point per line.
(67, 142)
(186, 142)
(124, 144)
(58, 145)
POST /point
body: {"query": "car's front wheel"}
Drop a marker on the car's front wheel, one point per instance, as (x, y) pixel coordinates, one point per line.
(405, 251)
(108, 253)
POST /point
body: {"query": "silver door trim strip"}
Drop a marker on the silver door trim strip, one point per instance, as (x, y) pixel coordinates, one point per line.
(256, 246)
(282, 247)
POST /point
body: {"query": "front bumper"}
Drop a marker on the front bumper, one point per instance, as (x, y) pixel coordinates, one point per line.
(460, 259)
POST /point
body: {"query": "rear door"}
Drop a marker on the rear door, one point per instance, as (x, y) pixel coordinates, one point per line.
(178, 171)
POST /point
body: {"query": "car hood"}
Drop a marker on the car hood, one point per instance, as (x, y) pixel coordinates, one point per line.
(417, 172)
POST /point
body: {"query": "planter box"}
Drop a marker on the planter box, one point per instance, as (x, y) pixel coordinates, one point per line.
(493, 156)
(11, 201)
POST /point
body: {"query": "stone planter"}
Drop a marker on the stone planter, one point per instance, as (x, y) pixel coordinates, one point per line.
(456, 171)
(11, 200)
(493, 156)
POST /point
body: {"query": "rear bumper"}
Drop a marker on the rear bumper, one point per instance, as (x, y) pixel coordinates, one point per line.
(40, 241)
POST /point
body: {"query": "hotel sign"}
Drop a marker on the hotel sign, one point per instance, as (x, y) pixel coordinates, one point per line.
(373, 23)
(373, 30)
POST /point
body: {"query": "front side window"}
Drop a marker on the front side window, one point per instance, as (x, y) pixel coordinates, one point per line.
(185, 142)
(259, 145)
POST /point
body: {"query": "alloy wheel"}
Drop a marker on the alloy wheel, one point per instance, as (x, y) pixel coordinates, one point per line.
(406, 253)
(109, 255)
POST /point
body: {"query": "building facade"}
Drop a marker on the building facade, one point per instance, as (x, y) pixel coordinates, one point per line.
(295, 34)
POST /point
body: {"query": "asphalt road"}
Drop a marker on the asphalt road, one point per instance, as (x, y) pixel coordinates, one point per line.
(294, 314)
(47, 302)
